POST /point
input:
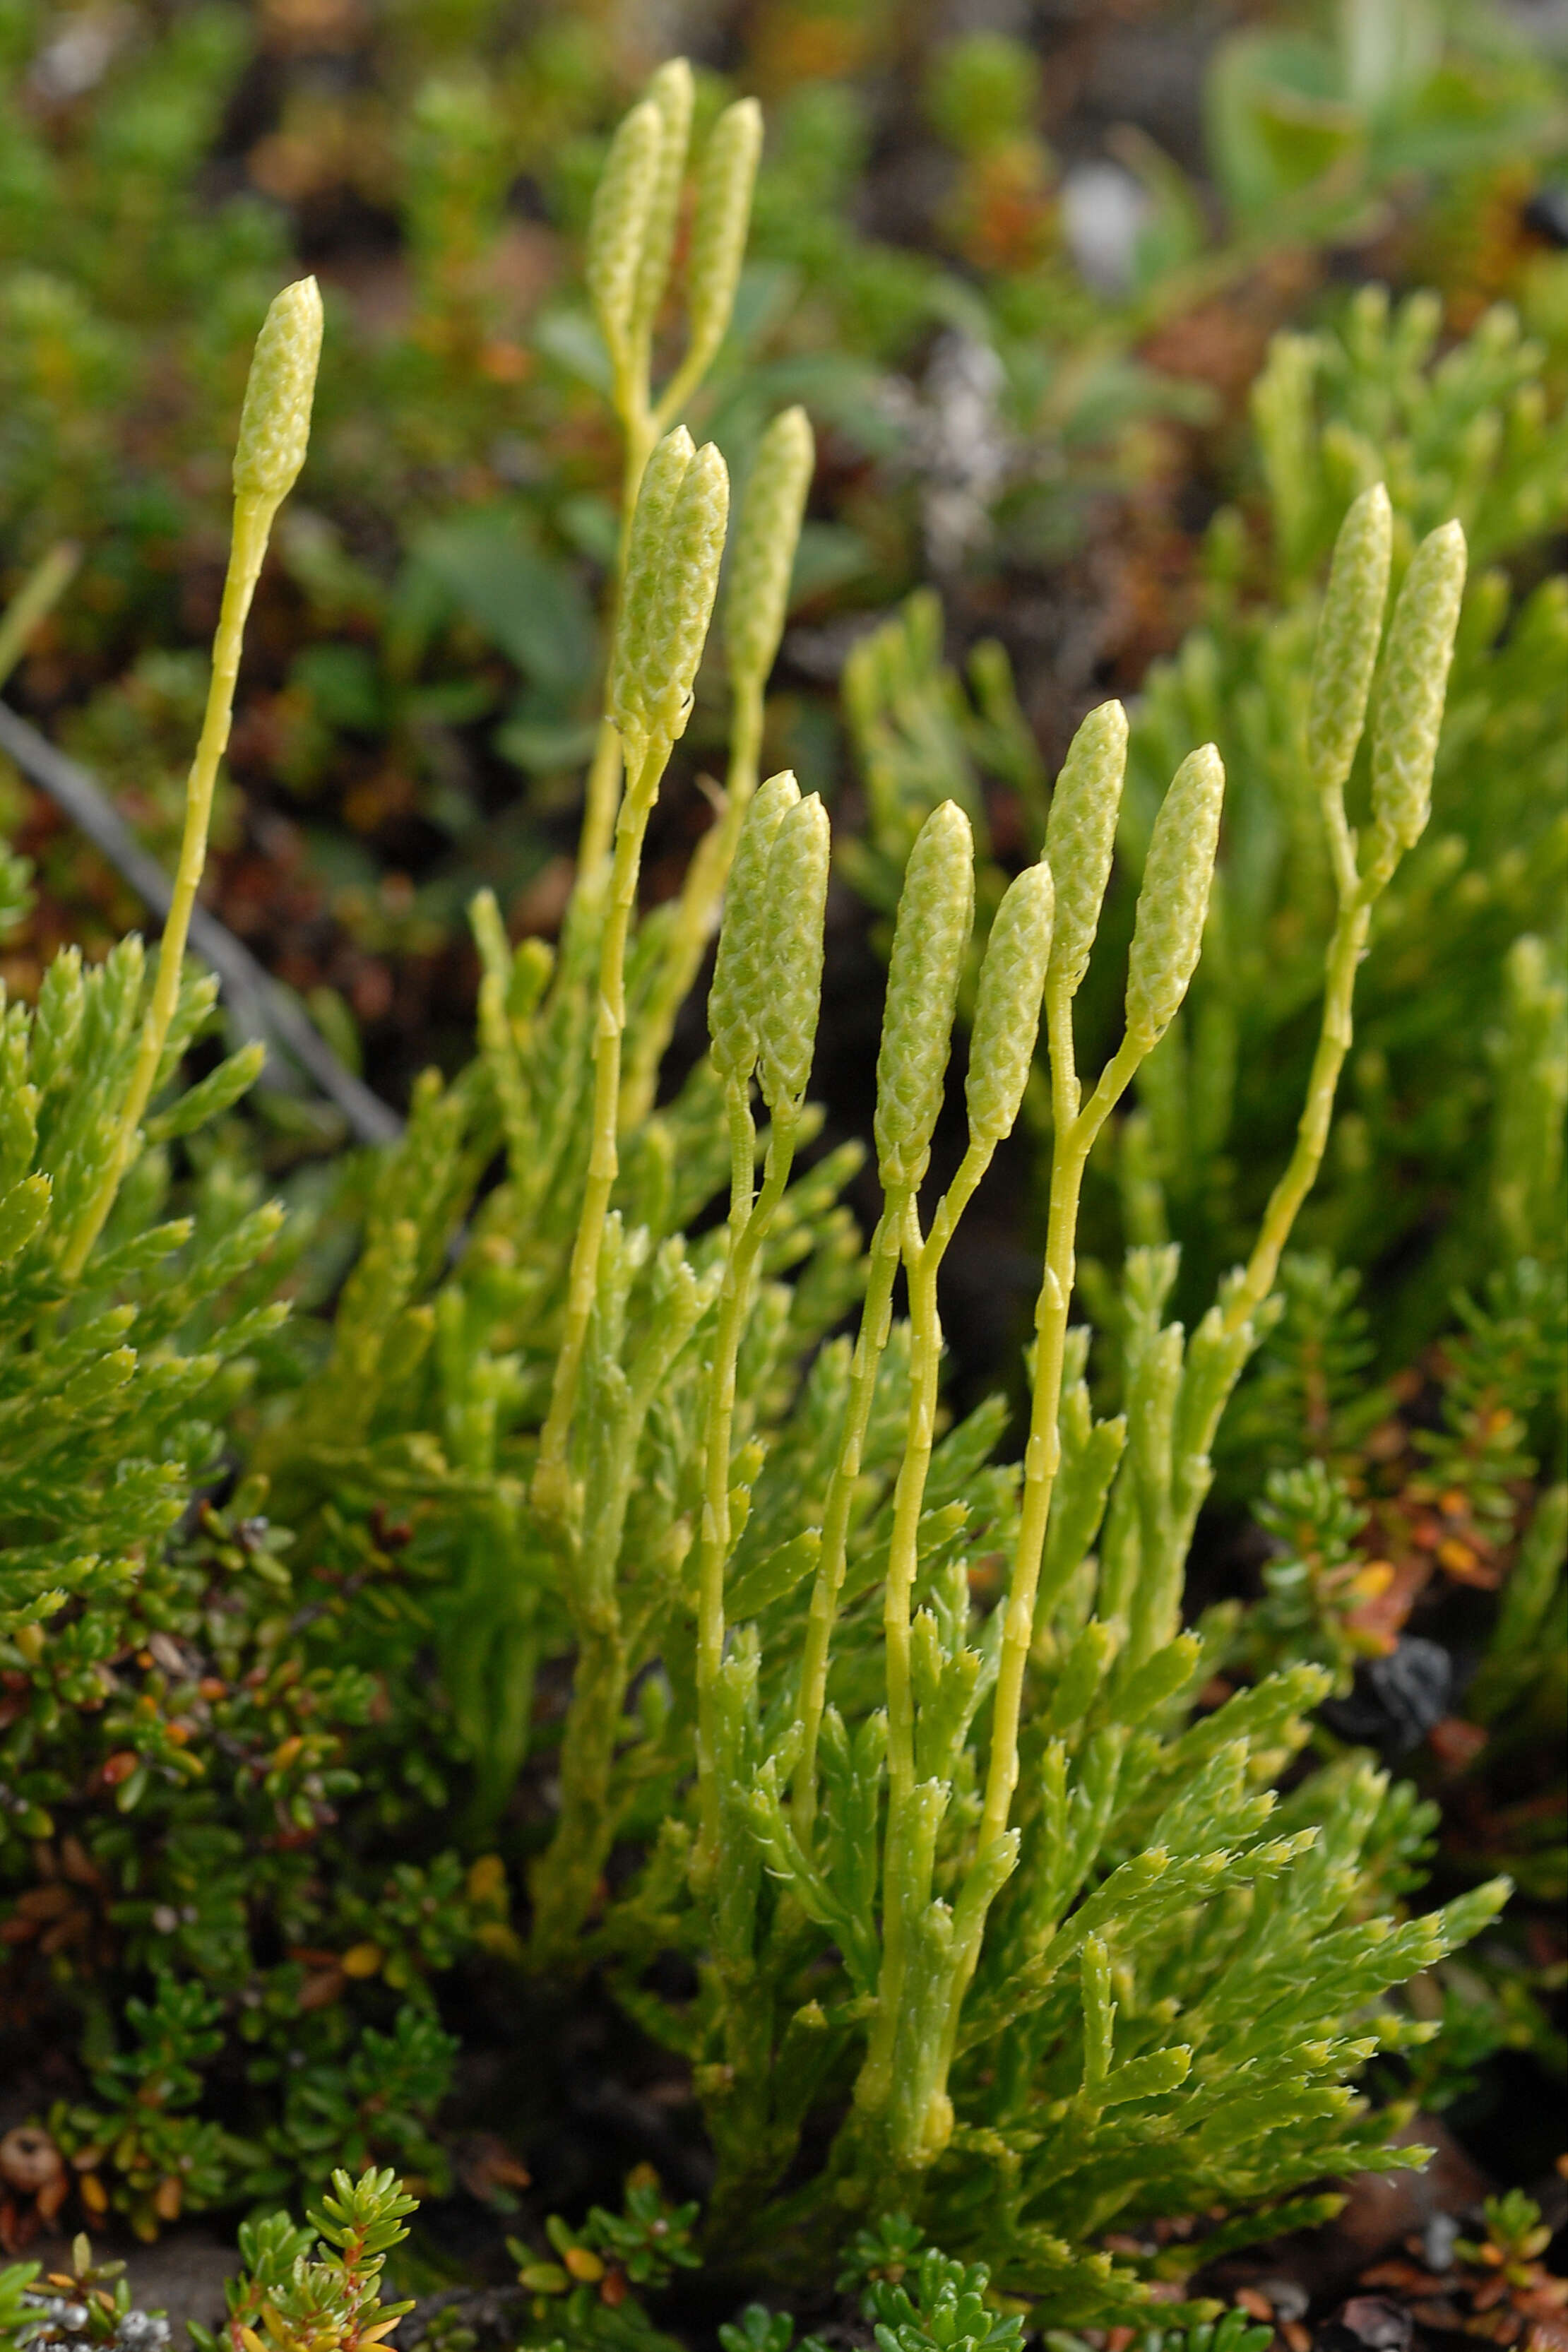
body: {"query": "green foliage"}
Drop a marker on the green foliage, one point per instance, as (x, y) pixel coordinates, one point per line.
(1514, 2233)
(1314, 1585)
(15, 2281)
(318, 2286)
(912, 2297)
(591, 2292)
(112, 1423)
(946, 2311)
(231, 1809)
(1333, 411)
(171, 1750)
(981, 1897)
(866, 1905)
(946, 2306)
(441, 585)
(1308, 123)
(1483, 873)
(90, 2305)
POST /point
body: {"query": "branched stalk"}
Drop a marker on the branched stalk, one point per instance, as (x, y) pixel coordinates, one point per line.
(913, 1810)
(1346, 949)
(931, 938)
(1416, 654)
(696, 910)
(552, 1492)
(751, 1215)
(1075, 1129)
(565, 1876)
(923, 1261)
(876, 1317)
(672, 575)
(603, 790)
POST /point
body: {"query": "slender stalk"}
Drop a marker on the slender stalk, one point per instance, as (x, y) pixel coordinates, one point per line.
(875, 1318)
(749, 1218)
(1346, 949)
(253, 514)
(604, 774)
(924, 1263)
(901, 1898)
(1416, 659)
(563, 1878)
(34, 599)
(1075, 1134)
(908, 1494)
(551, 1495)
(697, 912)
(1075, 1131)
(1340, 839)
(678, 391)
(601, 794)
(902, 1886)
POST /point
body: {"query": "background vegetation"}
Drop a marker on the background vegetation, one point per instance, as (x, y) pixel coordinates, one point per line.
(1024, 282)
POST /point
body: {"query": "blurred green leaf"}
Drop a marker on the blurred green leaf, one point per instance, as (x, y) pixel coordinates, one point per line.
(534, 608)
(343, 684)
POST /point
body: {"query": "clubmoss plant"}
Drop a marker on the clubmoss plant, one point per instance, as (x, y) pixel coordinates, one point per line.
(107, 1436)
(896, 1832)
(901, 1749)
(631, 242)
(672, 577)
(759, 565)
(870, 1754)
(168, 1759)
(274, 428)
(1473, 434)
